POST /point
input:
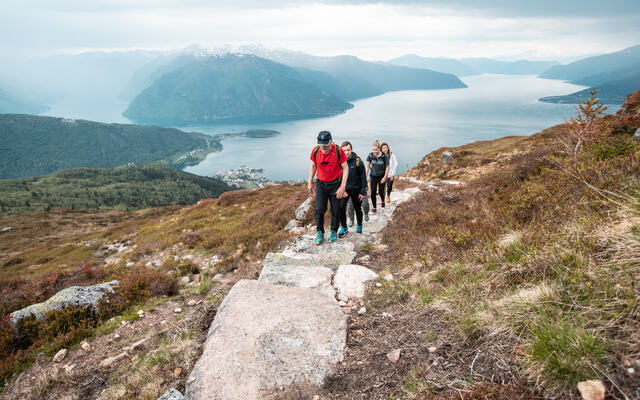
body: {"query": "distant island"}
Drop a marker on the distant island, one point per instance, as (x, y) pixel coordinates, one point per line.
(251, 133)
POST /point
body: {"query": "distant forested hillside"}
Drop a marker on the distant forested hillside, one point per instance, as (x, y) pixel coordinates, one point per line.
(128, 188)
(32, 145)
(232, 87)
(615, 75)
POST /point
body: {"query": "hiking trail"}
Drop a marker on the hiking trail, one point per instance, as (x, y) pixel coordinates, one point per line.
(288, 326)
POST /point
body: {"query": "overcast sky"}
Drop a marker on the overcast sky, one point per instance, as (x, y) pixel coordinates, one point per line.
(373, 30)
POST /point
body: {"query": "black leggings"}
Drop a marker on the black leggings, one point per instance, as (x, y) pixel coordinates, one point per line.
(357, 205)
(389, 184)
(376, 187)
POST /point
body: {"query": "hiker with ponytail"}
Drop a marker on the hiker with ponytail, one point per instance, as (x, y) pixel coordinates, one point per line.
(393, 165)
(378, 170)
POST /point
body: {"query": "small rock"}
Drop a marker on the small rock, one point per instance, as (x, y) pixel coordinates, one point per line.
(432, 349)
(164, 321)
(137, 345)
(185, 279)
(7, 228)
(362, 310)
(357, 332)
(177, 372)
(69, 368)
(217, 277)
(85, 345)
(592, 390)
(199, 302)
(177, 310)
(191, 379)
(123, 323)
(365, 258)
(342, 303)
(148, 264)
(60, 355)
(316, 397)
(171, 394)
(342, 297)
(192, 303)
(387, 315)
(116, 336)
(388, 277)
(378, 284)
(141, 313)
(394, 356)
(130, 264)
(107, 362)
(631, 371)
(187, 257)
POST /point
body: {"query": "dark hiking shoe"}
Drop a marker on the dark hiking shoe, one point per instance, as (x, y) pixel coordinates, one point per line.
(373, 211)
(332, 237)
(366, 217)
(319, 237)
(383, 204)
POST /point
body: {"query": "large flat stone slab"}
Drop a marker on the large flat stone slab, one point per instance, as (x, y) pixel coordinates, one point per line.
(328, 258)
(350, 280)
(267, 336)
(399, 197)
(311, 277)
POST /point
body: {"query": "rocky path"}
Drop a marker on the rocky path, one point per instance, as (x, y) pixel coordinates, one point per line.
(287, 327)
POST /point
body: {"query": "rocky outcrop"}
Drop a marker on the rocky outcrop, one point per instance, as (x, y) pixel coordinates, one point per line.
(71, 297)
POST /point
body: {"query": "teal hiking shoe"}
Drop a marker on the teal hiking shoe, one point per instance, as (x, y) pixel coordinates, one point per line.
(359, 229)
(342, 232)
(332, 237)
(319, 237)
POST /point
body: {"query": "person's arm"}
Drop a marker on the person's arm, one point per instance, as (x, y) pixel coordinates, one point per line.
(363, 181)
(366, 169)
(312, 172)
(386, 171)
(393, 162)
(342, 192)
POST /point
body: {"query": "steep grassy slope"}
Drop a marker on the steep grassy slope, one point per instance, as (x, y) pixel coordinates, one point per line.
(32, 145)
(130, 187)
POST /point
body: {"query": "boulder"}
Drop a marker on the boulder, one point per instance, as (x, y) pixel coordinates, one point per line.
(71, 297)
(303, 209)
(267, 336)
(447, 157)
(291, 225)
(60, 355)
(311, 276)
(350, 280)
(171, 394)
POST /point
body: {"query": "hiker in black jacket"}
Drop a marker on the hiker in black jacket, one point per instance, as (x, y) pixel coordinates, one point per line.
(356, 188)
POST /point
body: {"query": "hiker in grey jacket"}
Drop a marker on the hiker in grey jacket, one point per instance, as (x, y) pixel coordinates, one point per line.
(393, 166)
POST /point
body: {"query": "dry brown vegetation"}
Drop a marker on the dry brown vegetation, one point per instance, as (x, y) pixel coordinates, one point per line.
(239, 228)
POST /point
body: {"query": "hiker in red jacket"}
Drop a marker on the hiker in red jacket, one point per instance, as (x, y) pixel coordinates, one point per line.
(330, 162)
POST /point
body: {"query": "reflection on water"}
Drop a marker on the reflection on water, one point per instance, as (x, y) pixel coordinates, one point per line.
(412, 122)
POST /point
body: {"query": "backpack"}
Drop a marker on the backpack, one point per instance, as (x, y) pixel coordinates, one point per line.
(315, 152)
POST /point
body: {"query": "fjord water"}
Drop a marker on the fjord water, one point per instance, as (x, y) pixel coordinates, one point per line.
(413, 122)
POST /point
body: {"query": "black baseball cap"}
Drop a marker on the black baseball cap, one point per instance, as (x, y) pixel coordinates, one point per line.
(324, 138)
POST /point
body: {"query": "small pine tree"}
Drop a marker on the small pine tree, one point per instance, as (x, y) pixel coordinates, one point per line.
(586, 126)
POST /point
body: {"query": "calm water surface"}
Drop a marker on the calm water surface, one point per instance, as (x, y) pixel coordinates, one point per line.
(413, 123)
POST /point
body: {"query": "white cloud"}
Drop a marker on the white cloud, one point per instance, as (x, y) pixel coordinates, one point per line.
(371, 30)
